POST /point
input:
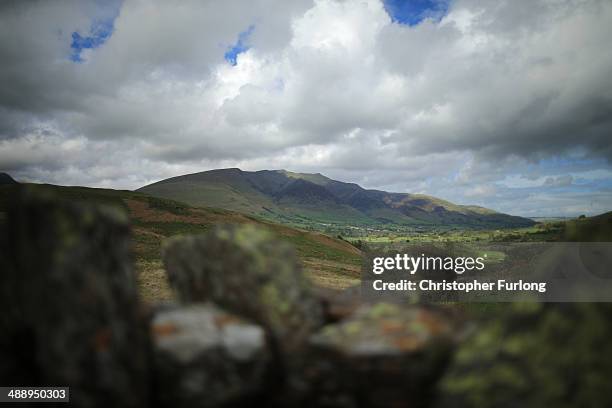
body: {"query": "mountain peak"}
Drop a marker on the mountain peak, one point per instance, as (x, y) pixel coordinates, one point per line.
(289, 196)
(316, 178)
(227, 170)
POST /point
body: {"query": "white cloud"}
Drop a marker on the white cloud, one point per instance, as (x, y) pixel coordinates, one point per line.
(457, 108)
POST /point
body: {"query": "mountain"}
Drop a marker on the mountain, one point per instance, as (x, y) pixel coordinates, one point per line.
(6, 179)
(301, 197)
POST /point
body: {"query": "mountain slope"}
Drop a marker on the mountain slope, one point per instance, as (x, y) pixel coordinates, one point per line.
(328, 261)
(293, 197)
(590, 229)
(6, 179)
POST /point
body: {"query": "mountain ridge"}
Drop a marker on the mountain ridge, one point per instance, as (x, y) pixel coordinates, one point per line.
(287, 195)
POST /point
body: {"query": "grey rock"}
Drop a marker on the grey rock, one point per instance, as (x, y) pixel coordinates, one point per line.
(206, 357)
(383, 355)
(70, 309)
(249, 272)
(339, 304)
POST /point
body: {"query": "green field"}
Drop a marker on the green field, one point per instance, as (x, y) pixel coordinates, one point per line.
(539, 232)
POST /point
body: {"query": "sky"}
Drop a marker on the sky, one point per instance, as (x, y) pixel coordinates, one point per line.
(500, 103)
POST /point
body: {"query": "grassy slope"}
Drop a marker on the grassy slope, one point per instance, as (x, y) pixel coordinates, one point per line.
(217, 195)
(329, 262)
(591, 229)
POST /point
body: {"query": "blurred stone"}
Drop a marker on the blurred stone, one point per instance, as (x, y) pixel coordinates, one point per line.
(69, 301)
(533, 355)
(206, 357)
(250, 273)
(339, 304)
(384, 355)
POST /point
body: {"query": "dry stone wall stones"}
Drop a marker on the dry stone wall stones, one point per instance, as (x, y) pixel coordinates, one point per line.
(205, 357)
(383, 355)
(71, 313)
(249, 272)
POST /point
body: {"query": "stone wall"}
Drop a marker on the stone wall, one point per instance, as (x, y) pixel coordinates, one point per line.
(247, 325)
(248, 328)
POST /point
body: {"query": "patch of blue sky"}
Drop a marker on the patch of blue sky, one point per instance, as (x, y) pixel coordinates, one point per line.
(241, 45)
(412, 12)
(278, 85)
(602, 178)
(586, 168)
(101, 29)
(568, 161)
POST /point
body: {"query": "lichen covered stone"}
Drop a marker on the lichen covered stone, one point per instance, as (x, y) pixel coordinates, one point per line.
(384, 355)
(205, 357)
(249, 272)
(533, 355)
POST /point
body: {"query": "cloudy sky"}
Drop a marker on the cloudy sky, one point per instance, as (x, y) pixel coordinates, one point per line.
(506, 104)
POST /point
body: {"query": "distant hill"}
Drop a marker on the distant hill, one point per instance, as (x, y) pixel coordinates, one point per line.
(589, 229)
(330, 262)
(6, 179)
(293, 197)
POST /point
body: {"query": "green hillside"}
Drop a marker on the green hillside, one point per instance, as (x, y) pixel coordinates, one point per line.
(329, 262)
(589, 229)
(301, 198)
